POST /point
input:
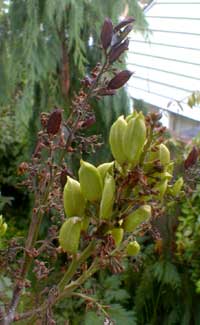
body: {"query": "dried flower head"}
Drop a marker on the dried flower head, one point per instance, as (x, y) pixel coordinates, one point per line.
(54, 122)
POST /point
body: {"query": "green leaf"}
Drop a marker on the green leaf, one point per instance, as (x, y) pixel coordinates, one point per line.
(92, 318)
(120, 315)
(6, 286)
(167, 273)
(119, 295)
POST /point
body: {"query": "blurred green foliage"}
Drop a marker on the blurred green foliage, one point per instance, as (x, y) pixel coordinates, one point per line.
(110, 292)
(188, 239)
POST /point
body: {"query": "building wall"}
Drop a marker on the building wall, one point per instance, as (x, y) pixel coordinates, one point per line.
(180, 125)
(167, 64)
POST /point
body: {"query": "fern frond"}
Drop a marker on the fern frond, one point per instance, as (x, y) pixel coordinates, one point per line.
(166, 273)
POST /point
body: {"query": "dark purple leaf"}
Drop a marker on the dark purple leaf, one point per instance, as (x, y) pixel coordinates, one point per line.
(192, 158)
(89, 122)
(106, 33)
(116, 51)
(118, 38)
(126, 21)
(120, 79)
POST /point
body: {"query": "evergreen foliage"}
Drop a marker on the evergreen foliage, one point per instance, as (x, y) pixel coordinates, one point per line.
(188, 239)
(45, 47)
(107, 289)
(162, 292)
(44, 51)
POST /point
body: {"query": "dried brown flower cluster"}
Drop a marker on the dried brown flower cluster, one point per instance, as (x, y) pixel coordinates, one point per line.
(46, 174)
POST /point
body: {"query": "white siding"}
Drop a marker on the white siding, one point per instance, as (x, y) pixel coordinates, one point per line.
(167, 65)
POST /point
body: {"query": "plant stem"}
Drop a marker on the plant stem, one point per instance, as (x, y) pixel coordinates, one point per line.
(31, 239)
(36, 222)
(76, 262)
(30, 243)
(67, 291)
(92, 300)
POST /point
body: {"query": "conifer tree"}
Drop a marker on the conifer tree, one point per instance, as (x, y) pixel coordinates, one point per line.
(45, 48)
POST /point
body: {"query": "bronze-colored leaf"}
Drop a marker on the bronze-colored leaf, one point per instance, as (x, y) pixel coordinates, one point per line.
(117, 50)
(119, 37)
(89, 122)
(54, 121)
(192, 158)
(106, 33)
(120, 79)
(126, 21)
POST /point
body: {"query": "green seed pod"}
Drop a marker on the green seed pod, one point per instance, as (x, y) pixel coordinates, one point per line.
(117, 234)
(150, 157)
(162, 176)
(74, 202)
(90, 181)
(138, 216)
(148, 166)
(1, 220)
(170, 168)
(69, 235)
(134, 138)
(164, 154)
(105, 168)
(3, 226)
(133, 248)
(85, 223)
(161, 188)
(130, 116)
(176, 188)
(108, 197)
(117, 132)
(166, 175)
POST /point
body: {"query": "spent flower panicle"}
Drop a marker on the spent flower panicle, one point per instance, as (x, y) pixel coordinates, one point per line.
(95, 218)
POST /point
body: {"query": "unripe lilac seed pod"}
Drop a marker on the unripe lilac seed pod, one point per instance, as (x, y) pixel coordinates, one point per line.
(134, 138)
(116, 139)
(3, 226)
(90, 182)
(133, 248)
(176, 188)
(161, 188)
(164, 154)
(69, 235)
(74, 202)
(134, 219)
(105, 168)
(108, 197)
(117, 234)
